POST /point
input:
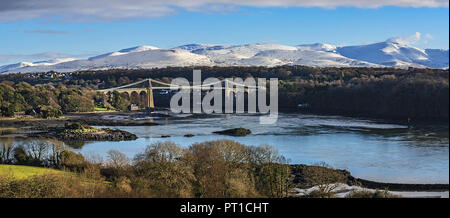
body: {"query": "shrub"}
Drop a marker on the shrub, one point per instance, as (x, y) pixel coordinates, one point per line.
(320, 194)
(371, 194)
(166, 174)
(73, 161)
(48, 111)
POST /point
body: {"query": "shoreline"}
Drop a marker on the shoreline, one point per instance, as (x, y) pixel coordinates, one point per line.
(113, 118)
(89, 118)
(144, 118)
(401, 186)
(300, 171)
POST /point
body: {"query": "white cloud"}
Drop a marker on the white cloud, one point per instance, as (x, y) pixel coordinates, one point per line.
(409, 40)
(429, 36)
(414, 39)
(46, 31)
(105, 10)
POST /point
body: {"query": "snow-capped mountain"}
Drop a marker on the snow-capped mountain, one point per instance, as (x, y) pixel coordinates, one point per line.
(396, 54)
(125, 51)
(383, 54)
(33, 65)
(123, 59)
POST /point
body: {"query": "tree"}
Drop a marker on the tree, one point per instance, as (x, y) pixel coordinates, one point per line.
(20, 155)
(37, 152)
(7, 111)
(118, 102)
(117, 159)
(48, 111)
(55, 154)
(164, 172)
(73, 161)
(6, 150)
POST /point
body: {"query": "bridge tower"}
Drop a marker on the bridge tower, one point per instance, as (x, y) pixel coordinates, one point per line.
(227, 90)
(150, 101)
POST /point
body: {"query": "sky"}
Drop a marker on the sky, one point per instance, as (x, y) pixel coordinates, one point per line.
(38, 30)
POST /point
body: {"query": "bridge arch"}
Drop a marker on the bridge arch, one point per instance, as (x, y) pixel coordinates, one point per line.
(135, 98)
(125, 95)
(143, 97)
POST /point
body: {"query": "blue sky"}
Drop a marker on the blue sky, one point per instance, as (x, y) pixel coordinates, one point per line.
(291, 25)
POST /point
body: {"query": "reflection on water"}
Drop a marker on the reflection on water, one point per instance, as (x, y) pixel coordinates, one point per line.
(368, 149)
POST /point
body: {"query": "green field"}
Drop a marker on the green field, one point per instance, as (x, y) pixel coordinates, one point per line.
(23, 172)
(101, 109)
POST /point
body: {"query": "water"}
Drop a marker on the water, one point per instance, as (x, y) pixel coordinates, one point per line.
(368, 149)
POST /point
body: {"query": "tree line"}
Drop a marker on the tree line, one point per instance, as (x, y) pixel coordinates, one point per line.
(52, 100)
(417, 94)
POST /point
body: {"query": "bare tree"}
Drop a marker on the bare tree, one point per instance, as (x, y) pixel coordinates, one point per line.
(118, 159)
(6, 150)
(54, 156)
(37, 151)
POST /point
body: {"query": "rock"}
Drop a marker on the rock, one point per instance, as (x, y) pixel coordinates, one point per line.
(189, 135)
(234, 132)
(93, 134)
(165, 136)
(105, 135)
(306, 176)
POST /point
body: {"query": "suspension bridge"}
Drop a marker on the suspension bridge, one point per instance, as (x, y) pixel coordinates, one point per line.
(229, 87)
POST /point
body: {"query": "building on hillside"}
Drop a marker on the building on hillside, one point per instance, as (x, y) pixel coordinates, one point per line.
(133, 107)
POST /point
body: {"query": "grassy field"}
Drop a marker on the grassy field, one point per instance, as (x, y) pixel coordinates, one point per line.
(101, 109)
(23, 172)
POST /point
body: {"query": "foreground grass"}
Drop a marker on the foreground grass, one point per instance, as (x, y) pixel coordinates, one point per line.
(24, 172)
(39, 182)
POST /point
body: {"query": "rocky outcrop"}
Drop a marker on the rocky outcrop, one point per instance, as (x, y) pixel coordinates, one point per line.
(234, 132)
(307, 176)
(101, 135)
(81, 132)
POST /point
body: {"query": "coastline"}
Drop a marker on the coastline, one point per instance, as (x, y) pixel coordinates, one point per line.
(113, 118)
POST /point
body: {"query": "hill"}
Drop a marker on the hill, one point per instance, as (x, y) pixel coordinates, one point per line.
(389, 53)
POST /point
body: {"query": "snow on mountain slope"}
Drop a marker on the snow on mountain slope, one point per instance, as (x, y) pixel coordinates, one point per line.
(150, 58)
(393, 53)
(437, 58)
(389, 53)
(314, 58)
(243, 55)
(242, 51)
(193, 47)
(260, 61)
(22, 65)
(125, 51)
(12, 67)
(143, 59)
(318, 55)
(317, 47)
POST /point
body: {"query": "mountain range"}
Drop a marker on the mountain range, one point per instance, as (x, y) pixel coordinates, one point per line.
(389, 53)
